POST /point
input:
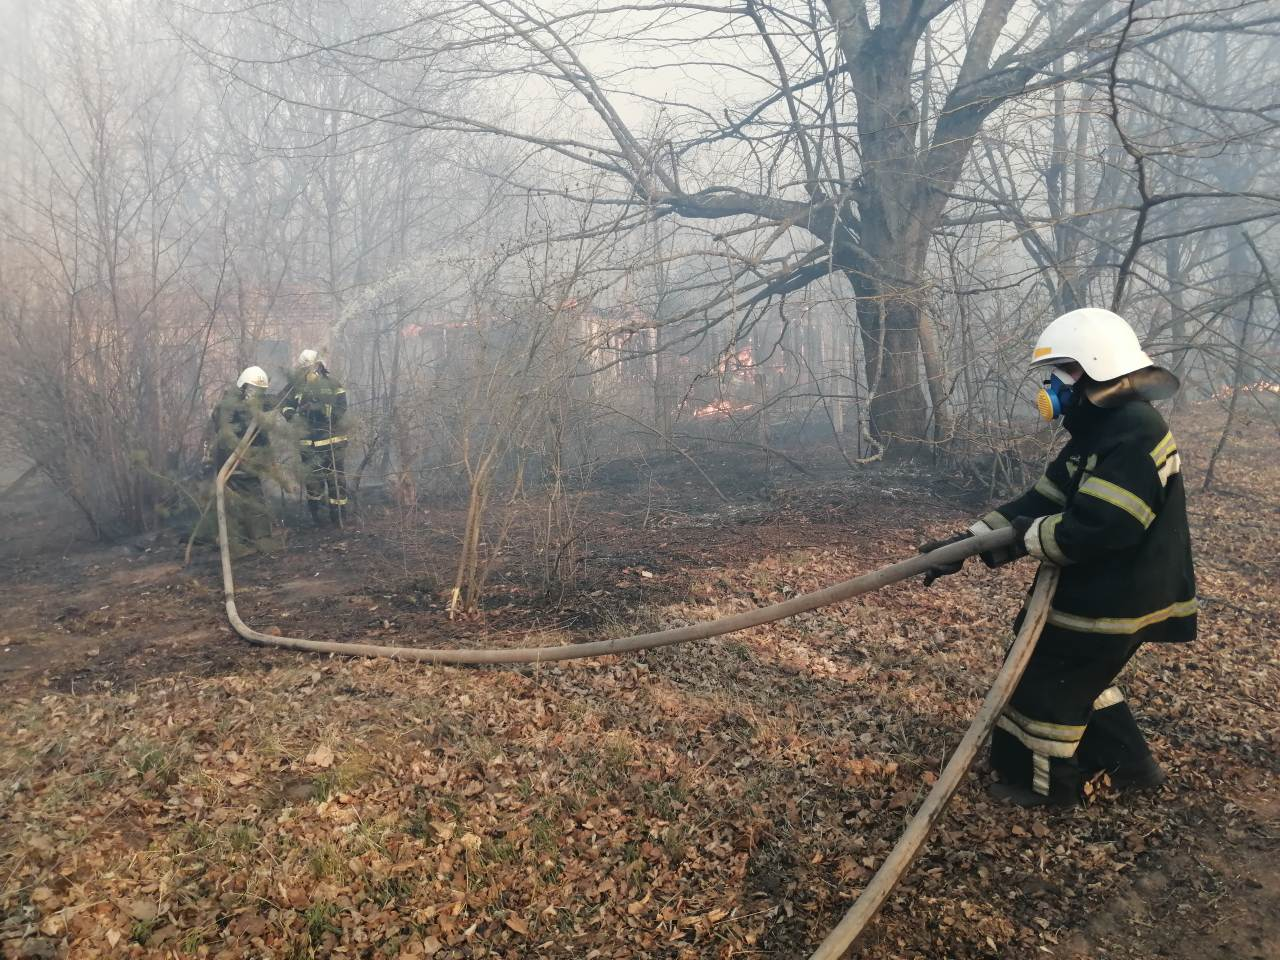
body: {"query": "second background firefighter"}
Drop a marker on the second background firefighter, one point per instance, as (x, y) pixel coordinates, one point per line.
(319, 400)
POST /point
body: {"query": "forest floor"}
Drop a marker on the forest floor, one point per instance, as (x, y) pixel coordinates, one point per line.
(167, 790)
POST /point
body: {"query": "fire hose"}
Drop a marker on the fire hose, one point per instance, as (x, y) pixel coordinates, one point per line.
(916, 832)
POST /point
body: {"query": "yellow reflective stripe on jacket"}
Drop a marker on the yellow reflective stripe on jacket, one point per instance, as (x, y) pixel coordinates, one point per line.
(323, 443)
(1171, 466)
(1073, 465)
(1165, 457)
(1161, 451)
(1048, 534)
(1118, 496)
(1122, 625)
(1047, 488)
(1041, 540)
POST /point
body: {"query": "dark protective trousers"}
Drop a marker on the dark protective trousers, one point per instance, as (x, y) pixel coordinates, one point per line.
(1066, 722)
(326, 477)
(249, 526)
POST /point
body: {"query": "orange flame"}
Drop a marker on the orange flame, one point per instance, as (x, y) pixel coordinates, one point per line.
(721, 410)
(1261, 386)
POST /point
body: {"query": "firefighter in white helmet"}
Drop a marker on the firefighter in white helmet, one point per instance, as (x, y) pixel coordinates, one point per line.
(249, 525)
(319, 400)
(1110, 510)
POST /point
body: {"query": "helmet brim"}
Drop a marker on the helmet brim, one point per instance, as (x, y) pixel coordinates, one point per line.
(1051, 361)
(1152, 384)
(1098, 369)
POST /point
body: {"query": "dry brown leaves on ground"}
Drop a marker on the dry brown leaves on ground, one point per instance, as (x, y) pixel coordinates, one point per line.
(726, 799)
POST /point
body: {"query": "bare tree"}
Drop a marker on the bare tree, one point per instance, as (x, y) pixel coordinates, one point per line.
(97, 239)
(854, 132)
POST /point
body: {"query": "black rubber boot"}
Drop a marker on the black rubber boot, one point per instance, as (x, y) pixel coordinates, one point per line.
(1023, 796)
(1143, 775)
(1114, 743)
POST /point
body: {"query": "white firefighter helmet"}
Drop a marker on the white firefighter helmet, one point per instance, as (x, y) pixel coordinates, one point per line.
(308, 358)
(1100, 341)
(253, 377)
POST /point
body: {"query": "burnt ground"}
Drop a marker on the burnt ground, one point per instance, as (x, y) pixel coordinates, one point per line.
(721, 800)
(134, 611)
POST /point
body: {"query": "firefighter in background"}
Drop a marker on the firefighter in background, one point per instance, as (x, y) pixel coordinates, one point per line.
(249, 526)
(319, 400)
(1110, 510)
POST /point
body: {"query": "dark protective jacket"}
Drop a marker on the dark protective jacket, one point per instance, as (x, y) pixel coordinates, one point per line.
(231, 417)
(1111, 511)
(320, 400)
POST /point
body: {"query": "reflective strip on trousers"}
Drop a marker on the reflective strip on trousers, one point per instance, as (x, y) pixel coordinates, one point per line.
(1108, 698)
(1040, 774)
(1049, 739)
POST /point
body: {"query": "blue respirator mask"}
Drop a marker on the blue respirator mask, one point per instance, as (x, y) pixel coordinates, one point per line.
(1056, 395)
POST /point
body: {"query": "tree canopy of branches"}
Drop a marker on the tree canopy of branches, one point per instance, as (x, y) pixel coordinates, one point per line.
(757, 218)
(807, 139)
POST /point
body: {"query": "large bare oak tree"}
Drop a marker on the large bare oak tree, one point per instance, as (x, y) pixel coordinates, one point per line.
(843, 122)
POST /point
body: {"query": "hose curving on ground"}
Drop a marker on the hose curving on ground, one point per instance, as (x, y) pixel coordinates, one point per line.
(866, 583)
(909, 845)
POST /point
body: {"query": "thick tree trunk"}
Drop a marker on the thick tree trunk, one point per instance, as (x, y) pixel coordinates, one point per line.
(936, 376)
(891, 339)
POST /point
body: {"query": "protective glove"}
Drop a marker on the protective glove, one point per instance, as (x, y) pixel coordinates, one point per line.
(945, 569)
(1015, 550)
